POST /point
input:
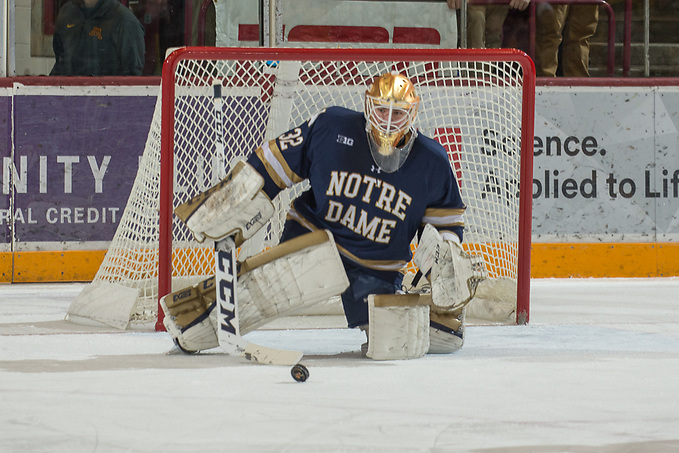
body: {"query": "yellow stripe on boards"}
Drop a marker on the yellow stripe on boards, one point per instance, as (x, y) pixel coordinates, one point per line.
(605, 260)
(548, 260)
(6, 267)
(59, 266)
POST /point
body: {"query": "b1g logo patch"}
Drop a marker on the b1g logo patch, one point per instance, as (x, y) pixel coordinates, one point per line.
(345, 140)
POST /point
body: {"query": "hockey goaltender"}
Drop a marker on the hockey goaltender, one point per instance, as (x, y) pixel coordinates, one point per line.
(375, 183)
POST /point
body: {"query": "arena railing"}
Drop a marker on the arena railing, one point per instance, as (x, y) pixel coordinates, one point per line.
(610, 56)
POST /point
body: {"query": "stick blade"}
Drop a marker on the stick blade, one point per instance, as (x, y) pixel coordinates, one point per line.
(271, 356)
(236, 345)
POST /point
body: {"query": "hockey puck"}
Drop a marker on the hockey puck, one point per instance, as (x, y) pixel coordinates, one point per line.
(299, 372)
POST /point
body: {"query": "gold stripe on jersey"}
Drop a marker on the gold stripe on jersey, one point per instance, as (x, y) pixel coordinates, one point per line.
(440, 217)
(379, 265)
(276, 166)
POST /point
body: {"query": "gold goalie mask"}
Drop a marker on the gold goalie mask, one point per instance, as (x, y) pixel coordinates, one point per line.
(390, 109)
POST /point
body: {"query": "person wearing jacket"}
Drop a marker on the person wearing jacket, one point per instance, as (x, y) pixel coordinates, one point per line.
(97, 38)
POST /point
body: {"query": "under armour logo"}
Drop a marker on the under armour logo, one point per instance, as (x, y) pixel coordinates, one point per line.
(376, 169)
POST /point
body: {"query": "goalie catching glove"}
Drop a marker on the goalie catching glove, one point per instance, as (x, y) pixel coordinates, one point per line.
(453, 273)
(236, 205)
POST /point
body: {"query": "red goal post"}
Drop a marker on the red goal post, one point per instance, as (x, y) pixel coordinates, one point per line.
(490, 70)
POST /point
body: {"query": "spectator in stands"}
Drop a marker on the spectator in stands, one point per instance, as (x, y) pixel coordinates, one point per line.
(455, 4)
(572, 24)
(209, 33)
(97, 38)
(484, 23)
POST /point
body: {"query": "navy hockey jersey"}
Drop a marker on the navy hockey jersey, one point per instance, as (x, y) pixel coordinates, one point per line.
(373, 215)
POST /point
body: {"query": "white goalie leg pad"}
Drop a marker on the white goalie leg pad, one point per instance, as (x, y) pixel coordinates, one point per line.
(190, 316)
(235, 205)
(446, 331)
(453, 273)
(288, 278)
(279, 282)
(398, 326)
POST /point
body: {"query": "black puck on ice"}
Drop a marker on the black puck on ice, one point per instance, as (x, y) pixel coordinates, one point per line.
(299, 372)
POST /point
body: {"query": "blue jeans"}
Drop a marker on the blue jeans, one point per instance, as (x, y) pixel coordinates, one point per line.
(361, 282)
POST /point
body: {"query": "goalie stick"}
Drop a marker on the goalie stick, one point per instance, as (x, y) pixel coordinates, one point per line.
(218, 103)
(226, 278)
(228, 333)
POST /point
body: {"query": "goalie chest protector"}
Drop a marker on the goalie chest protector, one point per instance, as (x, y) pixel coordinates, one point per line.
(372, 214)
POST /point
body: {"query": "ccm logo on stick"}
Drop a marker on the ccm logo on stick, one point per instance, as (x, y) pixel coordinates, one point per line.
(226, 291)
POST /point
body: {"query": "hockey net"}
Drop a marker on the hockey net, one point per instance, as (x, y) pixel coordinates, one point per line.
(219, 104)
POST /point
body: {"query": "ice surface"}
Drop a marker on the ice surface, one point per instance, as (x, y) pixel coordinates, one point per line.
(596, 370)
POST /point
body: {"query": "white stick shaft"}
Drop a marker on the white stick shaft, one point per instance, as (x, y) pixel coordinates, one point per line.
(220, 146)
(226, 280)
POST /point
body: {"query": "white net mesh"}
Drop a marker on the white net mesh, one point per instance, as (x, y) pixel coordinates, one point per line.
(473, 108)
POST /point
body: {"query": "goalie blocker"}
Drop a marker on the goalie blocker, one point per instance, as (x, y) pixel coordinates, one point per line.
(237, 205)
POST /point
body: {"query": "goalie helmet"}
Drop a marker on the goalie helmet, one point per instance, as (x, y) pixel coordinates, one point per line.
(390, 110)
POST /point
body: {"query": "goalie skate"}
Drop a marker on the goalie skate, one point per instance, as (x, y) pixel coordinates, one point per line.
(188, 317)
